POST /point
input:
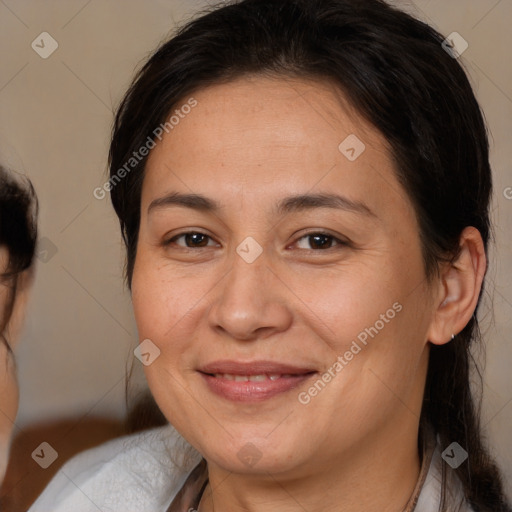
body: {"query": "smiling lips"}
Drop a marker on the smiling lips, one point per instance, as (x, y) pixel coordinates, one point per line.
(252, 382)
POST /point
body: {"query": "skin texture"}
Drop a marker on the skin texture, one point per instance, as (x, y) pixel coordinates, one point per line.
(247, 145)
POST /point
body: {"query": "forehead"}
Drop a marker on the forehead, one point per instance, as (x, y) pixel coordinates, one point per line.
(280, 114)
(266, 137)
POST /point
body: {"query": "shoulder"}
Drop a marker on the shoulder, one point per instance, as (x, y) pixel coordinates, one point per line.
(142, 471)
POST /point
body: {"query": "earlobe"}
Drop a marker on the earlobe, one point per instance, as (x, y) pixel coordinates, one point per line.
(459, 288)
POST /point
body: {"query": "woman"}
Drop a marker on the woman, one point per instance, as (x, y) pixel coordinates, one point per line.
(303, 190)
(18, 233)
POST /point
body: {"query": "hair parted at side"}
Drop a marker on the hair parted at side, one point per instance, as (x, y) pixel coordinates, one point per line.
(394, 71)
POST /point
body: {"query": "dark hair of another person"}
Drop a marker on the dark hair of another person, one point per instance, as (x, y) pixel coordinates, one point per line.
(394, 71)
(18, 234)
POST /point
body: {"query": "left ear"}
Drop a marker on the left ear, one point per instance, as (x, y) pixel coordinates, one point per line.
(459, 288)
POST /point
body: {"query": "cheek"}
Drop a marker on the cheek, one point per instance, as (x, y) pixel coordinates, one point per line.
(8, 404)
(344, 302)
(169, 305)
(375, 321)
(161, 302)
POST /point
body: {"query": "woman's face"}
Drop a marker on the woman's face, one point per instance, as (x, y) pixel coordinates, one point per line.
(271, 245)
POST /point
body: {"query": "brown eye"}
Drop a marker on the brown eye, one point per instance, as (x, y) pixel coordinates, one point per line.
(318, 241)
(196, 240)
(192, 239)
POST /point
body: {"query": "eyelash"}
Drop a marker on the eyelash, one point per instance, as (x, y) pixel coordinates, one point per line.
(337, 241)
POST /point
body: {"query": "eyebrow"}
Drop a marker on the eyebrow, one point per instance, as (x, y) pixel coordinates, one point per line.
(310, 201)
(287, 205)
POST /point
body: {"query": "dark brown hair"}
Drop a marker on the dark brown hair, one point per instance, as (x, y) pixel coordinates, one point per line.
(18, 234)
(393, 69)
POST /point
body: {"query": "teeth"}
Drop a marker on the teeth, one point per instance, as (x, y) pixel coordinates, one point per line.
(257, 378)
(247, 378)
(224, 376)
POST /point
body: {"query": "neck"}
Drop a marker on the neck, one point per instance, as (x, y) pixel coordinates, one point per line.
(377, 477)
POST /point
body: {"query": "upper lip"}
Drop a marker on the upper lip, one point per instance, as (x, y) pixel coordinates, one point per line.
(253, 368)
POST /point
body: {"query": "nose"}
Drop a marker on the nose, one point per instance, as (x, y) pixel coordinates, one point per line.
(251, 302)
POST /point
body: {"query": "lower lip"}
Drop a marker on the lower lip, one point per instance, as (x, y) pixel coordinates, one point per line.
(237, 391)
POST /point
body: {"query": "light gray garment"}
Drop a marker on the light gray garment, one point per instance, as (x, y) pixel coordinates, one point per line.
(138, 474)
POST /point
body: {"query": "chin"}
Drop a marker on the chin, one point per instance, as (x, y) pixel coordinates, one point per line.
(254, 456)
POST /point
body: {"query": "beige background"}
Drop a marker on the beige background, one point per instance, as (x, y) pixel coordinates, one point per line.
(55, 120)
